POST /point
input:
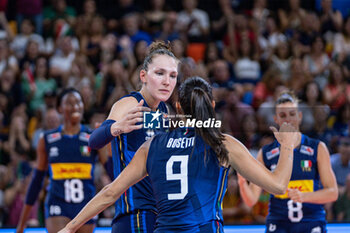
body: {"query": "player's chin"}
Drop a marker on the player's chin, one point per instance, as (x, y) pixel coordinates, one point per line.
(76, 117)
(163, 96)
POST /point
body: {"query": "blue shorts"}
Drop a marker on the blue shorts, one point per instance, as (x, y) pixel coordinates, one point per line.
(275, 226)
(55, 208)
(140, 221)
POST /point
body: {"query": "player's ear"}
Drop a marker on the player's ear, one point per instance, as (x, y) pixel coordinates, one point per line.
(213, 103)
(143, 76)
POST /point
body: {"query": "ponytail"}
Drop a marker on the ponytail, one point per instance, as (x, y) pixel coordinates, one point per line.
(199, 105)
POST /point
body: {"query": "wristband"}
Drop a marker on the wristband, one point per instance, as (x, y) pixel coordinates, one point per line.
(101, 136)
(35, 187)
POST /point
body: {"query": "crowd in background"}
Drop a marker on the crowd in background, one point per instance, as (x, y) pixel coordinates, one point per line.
(250, 51)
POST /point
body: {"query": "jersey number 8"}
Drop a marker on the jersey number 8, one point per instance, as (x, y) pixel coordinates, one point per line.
(182, 176)
(73, 191)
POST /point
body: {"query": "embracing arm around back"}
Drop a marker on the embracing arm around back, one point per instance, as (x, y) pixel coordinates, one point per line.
(329, 192)
(274, 182)
(133, 173)
(123, 117)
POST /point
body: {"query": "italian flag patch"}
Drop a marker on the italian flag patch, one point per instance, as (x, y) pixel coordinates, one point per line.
(85, 150)
(306, 163)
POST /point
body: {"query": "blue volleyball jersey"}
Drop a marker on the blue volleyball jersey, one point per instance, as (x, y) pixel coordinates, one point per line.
(188, 187)
(305, 177)
(71, 166)
(140, 195)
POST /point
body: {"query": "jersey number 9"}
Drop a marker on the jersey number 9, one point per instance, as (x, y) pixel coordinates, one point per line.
(182, 176)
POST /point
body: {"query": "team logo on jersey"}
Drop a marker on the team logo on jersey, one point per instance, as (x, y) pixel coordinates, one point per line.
(54, 137)
(307, 150)
(302, 185)
(84, 137)
(316, 230)
(53, 152)
(273, 167)
(306, 165)
(273, 153)
(272, 227)
(85, 151)
(71, 171)
(149, 134)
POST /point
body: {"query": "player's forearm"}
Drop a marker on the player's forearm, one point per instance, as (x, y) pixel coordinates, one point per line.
(100, 202)
(284, 168)
(321, 196)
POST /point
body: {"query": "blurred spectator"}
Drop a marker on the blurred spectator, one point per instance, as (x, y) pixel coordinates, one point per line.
(131, 28)
(15, 197)
(221, 79)
(84, 21)
(281, 59)
(336, 91)
(30, 9)
(299, 77)
(311, 99)
(331, 19)
(341, 43)
(265, 89)
(91, 41)
(155, 16)
(4, 182)
(317, 62)
(57, 10)
(19, 143)
(192, 22)
(342, 205)
(30, 56)
(341, 126)
(42, 84)
(51, 120)
(341, 163)
(234, 111)
(247, 69)
(80, 72)
(168, 30)
(260, 14)
(117, 11)
(115, 84)
(6, 59)
(26, 34)
(292, 17)
(61, 62)
(271, 37)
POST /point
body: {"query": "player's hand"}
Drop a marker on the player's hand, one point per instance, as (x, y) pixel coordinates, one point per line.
(287, 135)
(130, 121)
(241, 180)
(295, 195)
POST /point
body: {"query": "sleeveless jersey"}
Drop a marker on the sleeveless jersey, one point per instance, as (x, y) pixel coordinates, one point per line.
(71, 166)
(140, 195)
(188, 183)
(305, 177)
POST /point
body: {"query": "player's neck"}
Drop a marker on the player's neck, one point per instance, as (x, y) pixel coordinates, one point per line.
(151, 102)
(70, 129)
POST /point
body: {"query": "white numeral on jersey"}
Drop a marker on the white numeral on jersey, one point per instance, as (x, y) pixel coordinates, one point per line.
(182, 176)
(295, 213)
(73, 191)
